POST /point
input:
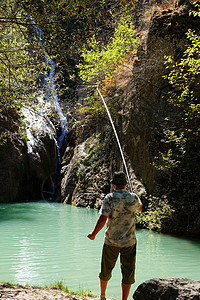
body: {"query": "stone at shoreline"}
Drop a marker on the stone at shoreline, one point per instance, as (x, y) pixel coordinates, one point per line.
(168, 289)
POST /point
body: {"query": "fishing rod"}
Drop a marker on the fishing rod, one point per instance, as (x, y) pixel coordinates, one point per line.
(116, 135)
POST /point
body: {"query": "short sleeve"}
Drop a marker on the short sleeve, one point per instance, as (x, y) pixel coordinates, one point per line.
(105, 209)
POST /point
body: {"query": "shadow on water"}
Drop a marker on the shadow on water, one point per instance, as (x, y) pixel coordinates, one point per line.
(190, 240)
(26, 211)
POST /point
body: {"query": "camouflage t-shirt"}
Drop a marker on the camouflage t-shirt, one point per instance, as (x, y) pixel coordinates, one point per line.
(120, 207)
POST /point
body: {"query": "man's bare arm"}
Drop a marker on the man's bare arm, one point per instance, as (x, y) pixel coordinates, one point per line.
(99, 225)
(140, 202)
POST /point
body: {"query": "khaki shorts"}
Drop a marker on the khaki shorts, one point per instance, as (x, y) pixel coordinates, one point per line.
(127, 262)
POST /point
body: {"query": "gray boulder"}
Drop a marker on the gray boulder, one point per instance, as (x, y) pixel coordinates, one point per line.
(168, 289)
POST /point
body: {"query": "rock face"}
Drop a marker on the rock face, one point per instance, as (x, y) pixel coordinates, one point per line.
(11, 163)
(146, 107)
(168, 289)
(11, 155)
(41, 153)
(145, 104)
(28, 161)
(85, 174)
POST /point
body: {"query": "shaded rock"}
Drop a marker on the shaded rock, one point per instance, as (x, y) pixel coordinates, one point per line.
(168, 289)
(11, 168)
(29, 158)
(146, 108)
(145, 104)
(171, 24)
(85, 174)
(12, 151)
(41, 153)
(71, 163)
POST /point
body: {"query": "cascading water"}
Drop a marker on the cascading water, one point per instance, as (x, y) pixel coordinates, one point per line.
(49, 85)
(50, 92)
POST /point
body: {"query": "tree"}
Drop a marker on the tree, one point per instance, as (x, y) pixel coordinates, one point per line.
(19, 66)
(100, 61)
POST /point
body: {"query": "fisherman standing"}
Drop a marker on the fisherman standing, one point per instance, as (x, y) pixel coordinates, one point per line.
(118, 210)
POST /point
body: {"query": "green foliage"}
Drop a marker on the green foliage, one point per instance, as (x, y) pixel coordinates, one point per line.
(157, 211)
(81, 170)
(179, 156)
(100, 61)
(85, 293)
(182, 76)
(182, 123)
(18, 61)
(65, 24)
(20, 66)
(195, 13)
(174, 154)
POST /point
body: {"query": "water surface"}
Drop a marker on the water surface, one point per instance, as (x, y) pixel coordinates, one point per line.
(42, 242)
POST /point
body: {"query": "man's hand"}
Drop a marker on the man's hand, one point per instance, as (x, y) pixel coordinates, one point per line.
(91, 236)
(99, 225)
(140, 208)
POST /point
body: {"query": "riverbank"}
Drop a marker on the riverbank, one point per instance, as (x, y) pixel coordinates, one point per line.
(10, 291)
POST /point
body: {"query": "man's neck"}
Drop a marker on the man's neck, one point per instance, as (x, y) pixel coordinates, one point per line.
(119, 187)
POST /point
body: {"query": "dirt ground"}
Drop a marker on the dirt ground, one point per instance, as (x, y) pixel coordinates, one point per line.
(8, 291)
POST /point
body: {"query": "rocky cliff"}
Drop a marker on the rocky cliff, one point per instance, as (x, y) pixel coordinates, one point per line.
(11, 157)
(29, 160)
(86, 170)
(146, 107)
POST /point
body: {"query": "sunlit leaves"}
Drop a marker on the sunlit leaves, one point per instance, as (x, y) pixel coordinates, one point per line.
(20, 62)
(183, 75)
(182, 124)
(195, 13)
(158, 210)
(100, 61)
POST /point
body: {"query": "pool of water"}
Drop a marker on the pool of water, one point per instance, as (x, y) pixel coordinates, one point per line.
(41, 243)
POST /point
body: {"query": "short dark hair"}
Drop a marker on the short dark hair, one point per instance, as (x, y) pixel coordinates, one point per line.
(119, 179)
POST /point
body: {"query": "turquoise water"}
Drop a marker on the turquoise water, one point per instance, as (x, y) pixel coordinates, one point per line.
(42, 242)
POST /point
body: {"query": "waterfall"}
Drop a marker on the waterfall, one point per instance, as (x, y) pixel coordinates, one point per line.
(49, 86)
(51, 96)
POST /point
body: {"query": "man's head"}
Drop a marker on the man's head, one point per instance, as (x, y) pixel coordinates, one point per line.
(119, 180)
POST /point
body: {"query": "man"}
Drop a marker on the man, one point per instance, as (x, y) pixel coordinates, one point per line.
(118, 209)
